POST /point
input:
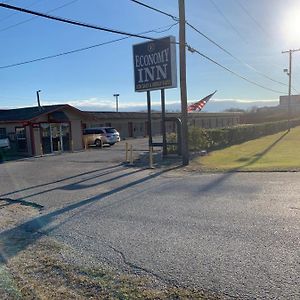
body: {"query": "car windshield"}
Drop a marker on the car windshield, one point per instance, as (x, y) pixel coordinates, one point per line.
(110, 130)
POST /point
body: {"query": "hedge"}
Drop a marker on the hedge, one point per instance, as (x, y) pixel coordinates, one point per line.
(217, 138)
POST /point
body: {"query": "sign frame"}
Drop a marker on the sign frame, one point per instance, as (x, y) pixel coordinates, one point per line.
(155, 64)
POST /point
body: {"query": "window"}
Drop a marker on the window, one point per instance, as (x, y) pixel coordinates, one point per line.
(20, 133)
(2, 133)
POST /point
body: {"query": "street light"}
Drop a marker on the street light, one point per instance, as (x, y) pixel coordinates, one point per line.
(117, 101)
(38, 98)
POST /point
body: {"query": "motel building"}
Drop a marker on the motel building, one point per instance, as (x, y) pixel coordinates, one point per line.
(49, 129)
(43, 130)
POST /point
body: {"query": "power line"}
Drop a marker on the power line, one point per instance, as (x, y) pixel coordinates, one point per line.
(252, 18)
(234, 57)
(12, 14)
(212, 41)
(155, 9)
(32, 18)
(157, 30)
(227, 20)
(73, 22)
(192, 50)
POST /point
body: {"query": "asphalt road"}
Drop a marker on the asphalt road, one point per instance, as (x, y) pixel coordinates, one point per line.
(236, 234)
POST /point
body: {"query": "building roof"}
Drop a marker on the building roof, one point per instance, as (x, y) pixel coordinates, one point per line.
(26, 114)
(157, 115)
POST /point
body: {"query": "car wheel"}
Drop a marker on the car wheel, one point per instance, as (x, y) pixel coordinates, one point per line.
(98, 143)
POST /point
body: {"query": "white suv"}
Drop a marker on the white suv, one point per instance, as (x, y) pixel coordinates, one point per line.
(112, 135)
(100, 136)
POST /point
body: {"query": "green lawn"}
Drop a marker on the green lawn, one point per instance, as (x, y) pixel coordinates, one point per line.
(278, 152)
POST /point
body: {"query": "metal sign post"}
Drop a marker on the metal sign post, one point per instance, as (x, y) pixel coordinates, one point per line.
(155, 69)
(163, 125)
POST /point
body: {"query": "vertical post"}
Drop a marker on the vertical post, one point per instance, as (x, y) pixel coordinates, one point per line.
(151, 157)
(117, 102)
(183, 90)
(149, 118)
(38, 99)
(131, 155)
(290, 83)
(126, 152)
(163, 118)
(290, 89)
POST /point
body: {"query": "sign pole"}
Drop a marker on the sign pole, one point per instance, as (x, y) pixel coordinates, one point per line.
(150, 130)
(183, 90)
(163, 118)
(149, 118)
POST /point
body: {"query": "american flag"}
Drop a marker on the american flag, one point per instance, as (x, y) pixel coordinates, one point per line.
(197, 106)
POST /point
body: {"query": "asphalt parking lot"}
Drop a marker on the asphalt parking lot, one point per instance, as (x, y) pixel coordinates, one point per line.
(236, 234)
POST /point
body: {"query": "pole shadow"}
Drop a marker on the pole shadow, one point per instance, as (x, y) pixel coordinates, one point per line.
(14, 240)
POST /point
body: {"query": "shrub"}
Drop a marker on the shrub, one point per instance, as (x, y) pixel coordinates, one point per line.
(209, 139)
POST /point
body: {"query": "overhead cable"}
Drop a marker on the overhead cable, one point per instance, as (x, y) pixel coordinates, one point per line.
(156, 9)
(193, 50)
(157, 30)
(73, 22)
(212, 41)
(32, 18)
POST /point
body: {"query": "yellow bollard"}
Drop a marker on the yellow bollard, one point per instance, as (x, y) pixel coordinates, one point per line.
(41, 150)
(151, 157)
(72, 145)
(131, 155)
(85, 143)
(126, 151)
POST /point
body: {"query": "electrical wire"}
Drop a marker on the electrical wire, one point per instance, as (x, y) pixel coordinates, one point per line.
(32, 18)
(193, 50)
(227, 21)
(212, 41)
(157, 30)
(252, 18)
(234, 57)
(73, 22)
(15, 13)
(77, 23)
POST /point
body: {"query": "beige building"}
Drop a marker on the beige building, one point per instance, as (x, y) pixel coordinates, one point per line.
(43, 130)
(53, 128)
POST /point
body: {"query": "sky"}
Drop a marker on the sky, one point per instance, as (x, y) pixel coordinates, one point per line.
(255, 32)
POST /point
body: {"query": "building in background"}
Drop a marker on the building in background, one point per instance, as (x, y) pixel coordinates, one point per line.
(58, 128)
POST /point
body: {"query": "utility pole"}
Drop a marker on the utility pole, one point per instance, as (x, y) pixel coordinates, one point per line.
(117, 101)
(289, 73)
(183, 90)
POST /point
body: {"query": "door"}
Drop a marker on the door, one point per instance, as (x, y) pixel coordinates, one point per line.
(46, 138)
(130, 129)
(56, 137)
(65, 133)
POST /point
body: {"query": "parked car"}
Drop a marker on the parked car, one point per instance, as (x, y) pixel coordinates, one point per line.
(100, 136)
(4, 143)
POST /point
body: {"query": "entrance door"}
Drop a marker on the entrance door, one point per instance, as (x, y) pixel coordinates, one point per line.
(56, 137)
(65, 136)
(46, 138)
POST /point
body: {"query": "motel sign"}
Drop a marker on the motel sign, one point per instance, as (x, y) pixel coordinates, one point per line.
(155, 65)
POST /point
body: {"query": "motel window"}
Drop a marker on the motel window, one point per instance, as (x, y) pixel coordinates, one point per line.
(2, 133)
(20, 133)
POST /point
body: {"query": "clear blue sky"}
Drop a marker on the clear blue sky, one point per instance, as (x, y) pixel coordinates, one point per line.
(255, 31)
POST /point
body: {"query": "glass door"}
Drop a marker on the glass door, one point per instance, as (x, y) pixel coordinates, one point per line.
(65, 136)
(46, 138)
(56, 137)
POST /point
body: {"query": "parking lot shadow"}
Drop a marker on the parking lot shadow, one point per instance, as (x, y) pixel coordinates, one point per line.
(14, 240)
